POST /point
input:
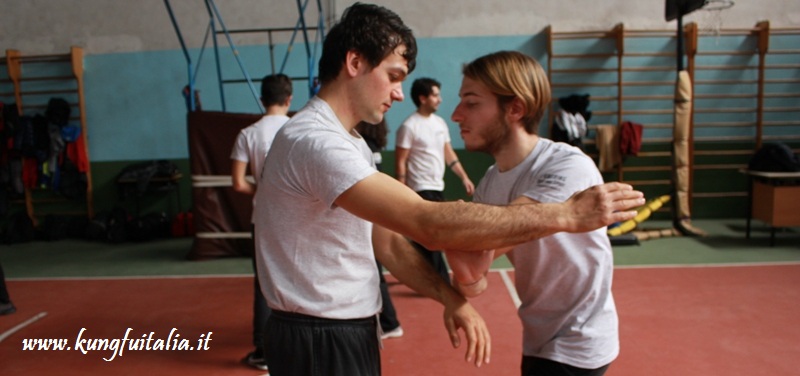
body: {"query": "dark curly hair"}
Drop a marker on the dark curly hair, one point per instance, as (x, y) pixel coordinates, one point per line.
(375, 132)
(423, 87)
(372, 31)
(275, 89)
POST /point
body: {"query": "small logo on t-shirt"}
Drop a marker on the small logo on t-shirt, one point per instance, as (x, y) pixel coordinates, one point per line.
(552, 181)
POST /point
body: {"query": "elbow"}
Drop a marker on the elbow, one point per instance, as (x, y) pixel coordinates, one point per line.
(239, 187)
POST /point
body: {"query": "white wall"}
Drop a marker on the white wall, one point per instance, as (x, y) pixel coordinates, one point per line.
(106, 26)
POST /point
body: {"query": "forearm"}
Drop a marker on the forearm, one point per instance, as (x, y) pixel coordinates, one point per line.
(459, 171)
(239, 178)
(244, 187)
(470, 226)
(476, 227)
(405, 263)
(401, 164)
(400, 172)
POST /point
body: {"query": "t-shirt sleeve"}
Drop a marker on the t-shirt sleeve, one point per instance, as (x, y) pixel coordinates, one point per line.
(405, 137)
(240, 150)
(446, 131)
(332, 166)
(562, 177)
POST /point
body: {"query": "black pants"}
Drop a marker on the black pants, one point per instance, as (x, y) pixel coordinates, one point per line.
(4, 298)
(434, 257)
(261, 311)
(301, 345)
(532, 366)
(388, 316)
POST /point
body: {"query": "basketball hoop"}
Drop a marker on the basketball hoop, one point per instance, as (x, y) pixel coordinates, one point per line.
(712, 19)
(712, 5)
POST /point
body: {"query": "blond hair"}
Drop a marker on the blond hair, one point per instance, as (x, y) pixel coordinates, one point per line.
(509, 75)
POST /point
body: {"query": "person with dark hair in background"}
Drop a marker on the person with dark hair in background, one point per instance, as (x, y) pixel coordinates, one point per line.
(423, 150)
(251, 148)
(6, 307)
(375, 136)
(324, 214)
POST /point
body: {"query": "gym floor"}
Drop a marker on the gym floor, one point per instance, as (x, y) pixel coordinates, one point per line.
(688, 306)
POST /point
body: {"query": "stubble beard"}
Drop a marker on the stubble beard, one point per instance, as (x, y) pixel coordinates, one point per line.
(493, 137)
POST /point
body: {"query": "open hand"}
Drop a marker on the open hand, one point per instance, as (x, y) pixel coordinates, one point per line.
(600, 206)
(479, 342)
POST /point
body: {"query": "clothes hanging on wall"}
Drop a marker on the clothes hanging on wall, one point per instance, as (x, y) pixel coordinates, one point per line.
(35, 148)
(573, 125)
(630, 138)
(571, 121)
(607, 141)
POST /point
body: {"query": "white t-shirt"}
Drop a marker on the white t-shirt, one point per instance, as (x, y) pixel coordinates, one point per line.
(563, 280)
(313, 257)
(425, 138)
(253, 142)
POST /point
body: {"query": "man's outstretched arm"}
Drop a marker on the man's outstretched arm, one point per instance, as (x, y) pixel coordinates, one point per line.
(404, 262)
(470, 226)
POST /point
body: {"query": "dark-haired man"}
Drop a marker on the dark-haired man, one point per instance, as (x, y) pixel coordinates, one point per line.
(422, 151)
(251, 148)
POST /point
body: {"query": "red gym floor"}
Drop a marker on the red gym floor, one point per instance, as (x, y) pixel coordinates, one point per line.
(732, 320)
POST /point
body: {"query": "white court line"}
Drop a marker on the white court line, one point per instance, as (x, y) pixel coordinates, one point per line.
(712, 265)
(512, 291)
(132, 277)
(19, 327)
(502, 271)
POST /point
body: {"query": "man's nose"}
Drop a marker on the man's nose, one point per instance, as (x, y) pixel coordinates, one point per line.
(456, 116)
(397, 94)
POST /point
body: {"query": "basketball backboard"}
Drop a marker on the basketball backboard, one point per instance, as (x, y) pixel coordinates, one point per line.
(680, 8)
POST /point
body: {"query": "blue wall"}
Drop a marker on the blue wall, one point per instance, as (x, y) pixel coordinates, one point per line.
(135, 109)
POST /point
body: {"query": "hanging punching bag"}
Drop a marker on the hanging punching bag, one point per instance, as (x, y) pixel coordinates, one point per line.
(680, 156)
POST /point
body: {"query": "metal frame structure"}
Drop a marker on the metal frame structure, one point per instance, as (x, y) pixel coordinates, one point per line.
(216, 27)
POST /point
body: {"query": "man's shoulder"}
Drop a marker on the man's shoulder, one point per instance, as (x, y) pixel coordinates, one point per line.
(439, 120)
(270, 123)
(410, 120)
(416, 120)
(247, 131)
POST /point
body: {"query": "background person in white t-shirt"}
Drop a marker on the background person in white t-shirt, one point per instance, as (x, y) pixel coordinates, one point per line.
(251, 148)
(423, 150)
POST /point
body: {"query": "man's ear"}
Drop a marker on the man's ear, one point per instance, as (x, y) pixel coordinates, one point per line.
(353, 63)
(515, 110)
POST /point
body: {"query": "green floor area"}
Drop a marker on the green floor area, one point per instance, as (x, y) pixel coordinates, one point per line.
(725, 243)
(75, 258)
